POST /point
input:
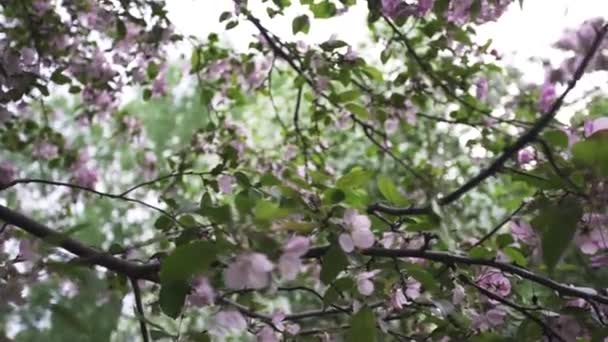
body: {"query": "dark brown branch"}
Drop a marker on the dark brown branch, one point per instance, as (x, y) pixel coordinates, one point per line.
(451, 259)
(140, 310)
(530, 135)
(300, 136)
(547, 329)
(92, 255)
(279, 52)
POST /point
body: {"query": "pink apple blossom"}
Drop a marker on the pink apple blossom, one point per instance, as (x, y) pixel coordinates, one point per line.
(523, 232)
(481, 89)
(248, 271)
(458, 11)
(45, 150)
(525, 155)
(359, 233)
(266, 334)
(8, 172)
(391, 125)
(458, 294)
(424, 7)
(596, 125)
(225, 183)
(227, 321)
(290, 261)
(392, 8)
(495, 282)
(547, 96)
(202, 292)
(487, 320)
(365, 285)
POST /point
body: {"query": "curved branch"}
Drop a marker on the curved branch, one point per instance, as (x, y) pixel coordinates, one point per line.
(90, 254)
(529, 136)
(449, 259)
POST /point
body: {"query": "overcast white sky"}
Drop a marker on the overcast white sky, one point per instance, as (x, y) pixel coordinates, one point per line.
(524, 32)
(519, 34)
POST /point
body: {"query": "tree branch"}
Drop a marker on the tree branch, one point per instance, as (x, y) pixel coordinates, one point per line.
(140, 310)
(498, 226)
(449, 259)
(547, 329)
(530, 135)
(91, 255)
(96, 192)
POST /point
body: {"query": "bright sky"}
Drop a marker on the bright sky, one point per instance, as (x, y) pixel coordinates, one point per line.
(518, 35)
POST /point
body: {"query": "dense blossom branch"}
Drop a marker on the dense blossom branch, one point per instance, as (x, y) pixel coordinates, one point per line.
(367, 128)
(426, 68)
(451, 259)
(547, 329)
(530, 135)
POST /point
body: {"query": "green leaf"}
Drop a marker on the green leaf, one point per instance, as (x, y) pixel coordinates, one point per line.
(323, 10)
(225, 16)
(267, 211)
(333, 196)
(593, 153)
(357, 110)
(60, 78)
(163, 223)
(187, 221)
(423, 276)
(556, 138)
(231, 24)
(221, 214)
(362, 326)
(300, 24)
(172, 297)
(199, 337)
(121, 29)
(334, 262)
(357, 177)
(373, 73)
(516, 255)
(332, 45)
(557, 224)
(187, 260)
(349, 95)
(152, 70)
(297, 226)
(389, 191)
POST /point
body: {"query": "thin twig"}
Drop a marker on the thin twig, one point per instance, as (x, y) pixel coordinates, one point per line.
(558, 171)
(300, 136)
(93, 191)
(140, 310)
(498, 226)
(547, 329)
